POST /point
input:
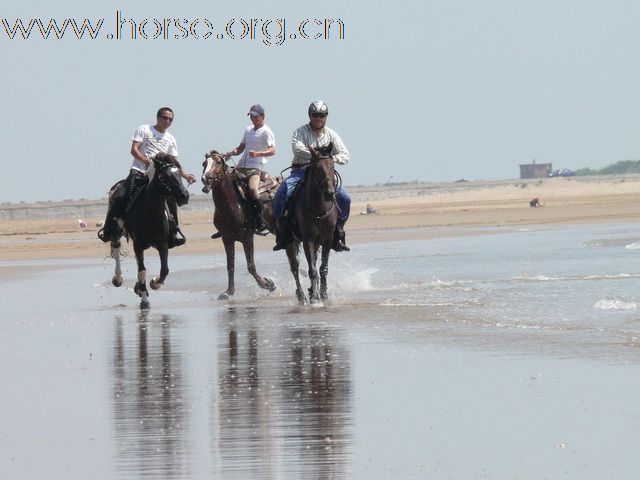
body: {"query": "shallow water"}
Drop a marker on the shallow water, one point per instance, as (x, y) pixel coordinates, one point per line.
(511, 354)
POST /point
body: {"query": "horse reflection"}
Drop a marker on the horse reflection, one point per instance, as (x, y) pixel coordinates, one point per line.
(317, 389)
(245, 431)
(284, 401)
(149, 419)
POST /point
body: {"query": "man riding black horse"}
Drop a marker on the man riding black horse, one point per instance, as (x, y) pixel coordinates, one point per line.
(147, 142)
(316, 134)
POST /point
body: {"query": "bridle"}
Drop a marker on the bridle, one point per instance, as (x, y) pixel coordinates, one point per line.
(219, 165)
(159, 180)
(326, 185)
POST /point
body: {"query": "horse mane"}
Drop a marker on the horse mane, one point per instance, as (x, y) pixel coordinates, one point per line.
(324, 151)
(164, 158)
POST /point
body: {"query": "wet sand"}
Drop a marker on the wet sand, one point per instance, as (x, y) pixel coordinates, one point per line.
(364, 387)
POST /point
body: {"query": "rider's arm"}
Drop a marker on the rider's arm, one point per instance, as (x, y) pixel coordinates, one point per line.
(340, 152)
(137, 154)
(269, 152)
(299, 146)
(187, 176)
(236, 151)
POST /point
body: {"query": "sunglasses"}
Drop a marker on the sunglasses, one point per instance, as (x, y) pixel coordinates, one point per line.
(320, 115)
(166, 117)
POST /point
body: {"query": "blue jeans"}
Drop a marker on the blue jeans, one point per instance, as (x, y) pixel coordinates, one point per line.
(281, 199)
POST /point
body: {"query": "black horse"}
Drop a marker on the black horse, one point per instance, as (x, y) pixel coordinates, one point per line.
(315, 215)
(146, 222)
(232, 218)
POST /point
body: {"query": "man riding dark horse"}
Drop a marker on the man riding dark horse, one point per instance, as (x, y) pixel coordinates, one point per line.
(147, 142)
(316, 134)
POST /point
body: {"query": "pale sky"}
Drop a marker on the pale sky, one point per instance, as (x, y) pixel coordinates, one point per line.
(426, 90)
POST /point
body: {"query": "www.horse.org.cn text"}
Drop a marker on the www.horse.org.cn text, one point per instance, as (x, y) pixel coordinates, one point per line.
(268, 31)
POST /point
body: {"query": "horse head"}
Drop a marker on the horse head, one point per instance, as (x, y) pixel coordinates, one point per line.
(167, 180)
(322, 172)
(213, 167)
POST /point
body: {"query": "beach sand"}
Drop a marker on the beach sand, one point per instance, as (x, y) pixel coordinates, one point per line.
(432, 213)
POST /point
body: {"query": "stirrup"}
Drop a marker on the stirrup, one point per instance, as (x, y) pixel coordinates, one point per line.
(175, 241)
(281, 245)
(339, 246)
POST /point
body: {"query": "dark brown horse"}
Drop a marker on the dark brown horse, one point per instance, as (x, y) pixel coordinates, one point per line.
(147, 225)
(233, 219)
(315, 215)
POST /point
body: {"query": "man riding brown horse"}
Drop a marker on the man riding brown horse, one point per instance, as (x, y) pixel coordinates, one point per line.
(258, 143)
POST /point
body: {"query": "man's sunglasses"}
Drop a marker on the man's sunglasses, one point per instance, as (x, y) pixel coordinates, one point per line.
(321, 115)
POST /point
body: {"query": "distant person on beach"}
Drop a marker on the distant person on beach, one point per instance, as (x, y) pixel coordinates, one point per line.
(535, 203)
(316, 134)
(147, 142)
(257, 143)
(370, 209)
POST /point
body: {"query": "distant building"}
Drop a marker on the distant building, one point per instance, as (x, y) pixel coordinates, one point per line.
(535, 170)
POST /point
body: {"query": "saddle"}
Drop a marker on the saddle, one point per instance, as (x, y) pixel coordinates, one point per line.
(118, 191)
(267, 187)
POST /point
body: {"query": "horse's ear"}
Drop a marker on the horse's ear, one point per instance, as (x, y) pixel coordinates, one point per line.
(330, 148)
(312, 151)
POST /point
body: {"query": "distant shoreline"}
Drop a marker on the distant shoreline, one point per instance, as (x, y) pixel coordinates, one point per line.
(50, 230)
(89, 208)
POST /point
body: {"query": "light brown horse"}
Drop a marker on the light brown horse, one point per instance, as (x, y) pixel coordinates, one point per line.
(315, 214)
(232, 218)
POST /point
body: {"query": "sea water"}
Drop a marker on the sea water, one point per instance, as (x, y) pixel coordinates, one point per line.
(495, 353)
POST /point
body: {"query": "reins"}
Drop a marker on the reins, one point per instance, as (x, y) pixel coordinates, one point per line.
(326, 213)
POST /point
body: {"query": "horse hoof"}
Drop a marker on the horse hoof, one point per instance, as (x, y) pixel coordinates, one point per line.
(117, 282)
(268, 285)
(223, 296)
(144, 305)
(154, 284)
(139, 289)
(302, 298)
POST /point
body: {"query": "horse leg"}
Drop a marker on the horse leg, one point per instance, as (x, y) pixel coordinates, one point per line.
(311, 252)
(294, 265)
(141, 285)
(115, 254)
(230, 250)
(324, 270)
(157, 282)
(265, 283)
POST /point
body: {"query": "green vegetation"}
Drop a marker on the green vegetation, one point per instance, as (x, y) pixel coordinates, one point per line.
(623, 166)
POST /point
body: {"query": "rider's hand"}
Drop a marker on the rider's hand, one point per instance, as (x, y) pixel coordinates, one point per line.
(190, 178)
(252, 154)
(227, 155)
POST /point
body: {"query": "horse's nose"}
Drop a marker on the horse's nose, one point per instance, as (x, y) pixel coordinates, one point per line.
(183, 199)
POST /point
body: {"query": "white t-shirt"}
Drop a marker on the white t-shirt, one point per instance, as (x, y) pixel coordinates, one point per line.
(153, 142)
(257, 140)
